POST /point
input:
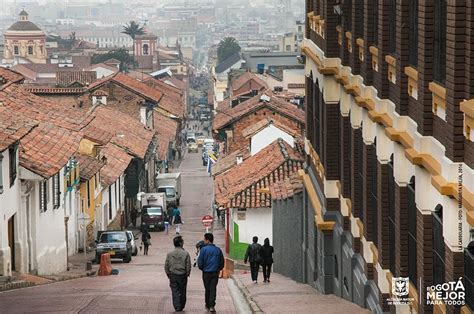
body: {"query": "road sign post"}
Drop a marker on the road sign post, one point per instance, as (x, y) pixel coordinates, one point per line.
(207, 222)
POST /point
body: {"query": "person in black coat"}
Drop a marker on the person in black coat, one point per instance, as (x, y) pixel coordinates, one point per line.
(267, 259)
(146, 239)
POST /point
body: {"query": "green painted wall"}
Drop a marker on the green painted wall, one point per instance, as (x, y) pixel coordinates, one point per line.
(237, 249)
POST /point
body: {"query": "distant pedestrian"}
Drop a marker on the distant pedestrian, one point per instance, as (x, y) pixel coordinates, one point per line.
(133, 215)
(166, 220)
(178, 269)
(254, 256)
(267, 259)
(169, 210)
(146, 240)
(211, 262)
(177, 223)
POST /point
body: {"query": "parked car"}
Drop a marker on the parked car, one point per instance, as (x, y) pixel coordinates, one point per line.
(193, 147)
(116, 243)
(132, 239)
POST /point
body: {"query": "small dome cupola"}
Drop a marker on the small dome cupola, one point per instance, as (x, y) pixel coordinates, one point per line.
(23, 15)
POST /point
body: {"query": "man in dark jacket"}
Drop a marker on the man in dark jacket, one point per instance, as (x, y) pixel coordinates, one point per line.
(253, 255)
(211, 262)
(178, 269)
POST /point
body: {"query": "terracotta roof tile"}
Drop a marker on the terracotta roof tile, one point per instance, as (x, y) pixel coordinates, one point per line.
(35, 89)
(47, 148)
(173, 81)
(240, 186)
(173, 98)
(167, 129)
(66, 78)
(10, 76)
(228, 161)
(287, 187)
(245, 77)
(260, 125)
(24, 103)
(88, 165)
(127, 132)
(131, 84)
(229, 115)
(117, 161)
(13, 127)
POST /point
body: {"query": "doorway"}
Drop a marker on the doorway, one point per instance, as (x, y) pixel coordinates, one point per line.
(11, 241)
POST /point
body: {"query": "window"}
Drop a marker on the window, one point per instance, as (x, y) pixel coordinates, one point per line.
(469, 274)
(412, 216)
(116, 194)
(88, 194)
(348, 16)
(30, 50)
(119, 192)
(413, 34)
(392, 26)
(288, 48)
(360, 174)
(375, 22)
(16, 50)
(145, 49)
(316, 120)
(438, 246)
(12, 165)
(56, 191)
(43, 196)
(1, 174)
(391, 217)
(439, 62)
(373, 194)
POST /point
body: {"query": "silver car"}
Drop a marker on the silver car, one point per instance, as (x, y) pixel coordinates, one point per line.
(116, 243)
(132, 239)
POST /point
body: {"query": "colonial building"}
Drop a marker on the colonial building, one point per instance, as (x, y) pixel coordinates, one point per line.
(24, 42)
(389, 148)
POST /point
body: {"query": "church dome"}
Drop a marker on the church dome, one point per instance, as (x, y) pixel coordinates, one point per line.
(23, 25)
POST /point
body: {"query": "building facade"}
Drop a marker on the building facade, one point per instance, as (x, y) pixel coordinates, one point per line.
(389, 149)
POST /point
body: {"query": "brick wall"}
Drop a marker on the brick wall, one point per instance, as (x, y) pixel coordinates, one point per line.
(357, 32)
(401, 231)
(331, 134)
(454, 270)
(368, 36)
(424, 239)
(239, 141)
(356, 182)
(345, 156)
(380, 77)
(124, 100)
(382, 216)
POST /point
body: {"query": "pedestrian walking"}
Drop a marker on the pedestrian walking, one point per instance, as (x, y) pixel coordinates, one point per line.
(166, 220)
(133, 215)
(178, 269)
(267, 259)
(169, 210)
(146, 240)
(177, 223)
(211, 262)
(254, 256)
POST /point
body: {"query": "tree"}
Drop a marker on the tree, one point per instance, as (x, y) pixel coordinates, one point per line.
(227, 47)
(133, 29)
(126, 61)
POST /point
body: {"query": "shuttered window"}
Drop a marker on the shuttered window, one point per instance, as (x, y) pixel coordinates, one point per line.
(12, 158)
(56, 191)
(316, 115)
(43, 196)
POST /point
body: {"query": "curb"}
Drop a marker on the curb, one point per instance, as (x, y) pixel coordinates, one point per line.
(16, 285)
(248, 297)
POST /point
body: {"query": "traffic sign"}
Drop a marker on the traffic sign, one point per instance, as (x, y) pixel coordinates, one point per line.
(207, 220)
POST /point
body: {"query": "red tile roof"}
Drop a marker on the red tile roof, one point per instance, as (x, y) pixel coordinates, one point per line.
(286, 188)
(241, 186)
(260, 125)
(229, 115)
(47, 149)
(117, 162)
(66, 78)
(10, 76)
(37, 108)
(13, 127)
(244, 78)
(131, 84)
(128, 133)
(173, 81)
(35, 89)
(173, 98)
(228, 161)
(88, 165)
(167, 129)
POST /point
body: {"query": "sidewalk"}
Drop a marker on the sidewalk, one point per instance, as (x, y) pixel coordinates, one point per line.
(77, 269)
(284, 295)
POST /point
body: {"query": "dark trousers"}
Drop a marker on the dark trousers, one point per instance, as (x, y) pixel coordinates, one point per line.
(267, 269)
(178, 285)
(210, 281)
(254, 268)
(145, 248)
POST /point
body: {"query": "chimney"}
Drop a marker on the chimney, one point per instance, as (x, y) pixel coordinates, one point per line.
(240, 159)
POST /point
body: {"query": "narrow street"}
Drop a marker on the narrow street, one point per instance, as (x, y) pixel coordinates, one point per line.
(141, 286)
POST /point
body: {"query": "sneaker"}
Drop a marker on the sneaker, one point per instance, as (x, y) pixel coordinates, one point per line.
(207, 309)
(212, 309)
(255, 281)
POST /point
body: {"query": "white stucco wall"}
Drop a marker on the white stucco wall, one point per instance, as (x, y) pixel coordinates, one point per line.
(258, 222)
(267, 136)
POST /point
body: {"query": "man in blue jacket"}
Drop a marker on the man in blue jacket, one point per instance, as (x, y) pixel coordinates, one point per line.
(211, 262)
